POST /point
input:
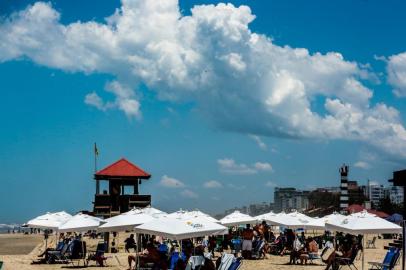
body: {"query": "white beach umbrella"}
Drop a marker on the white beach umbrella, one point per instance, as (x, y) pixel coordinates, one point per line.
(50, 221)
(178, 229)
(363, 223)
(237, 218)
(80, 223)
(301, 220)
(149, 210)
(294, 220)
(265, 216)
(127, 221)
(178, 214)
(281, 219)
(181, 214)
(335, 217)
(363, 213)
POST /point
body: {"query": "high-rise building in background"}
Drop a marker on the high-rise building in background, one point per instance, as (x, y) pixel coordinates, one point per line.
(395, 194)
(375, 192)
(344, 188)
(286, 199)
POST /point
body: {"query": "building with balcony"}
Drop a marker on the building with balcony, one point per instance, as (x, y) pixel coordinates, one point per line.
(375, 192)
(286, 199)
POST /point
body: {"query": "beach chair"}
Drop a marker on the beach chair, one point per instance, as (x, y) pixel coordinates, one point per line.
(226, 261)
(236, 264)
(173, 260)
(97, 255)
(59, 256)
(195, 263)
(389, 261)
(371, 243)
(258, 250)
(229, 262)
(77, 253)
(349, 262)
(236, 246)
(314, 256)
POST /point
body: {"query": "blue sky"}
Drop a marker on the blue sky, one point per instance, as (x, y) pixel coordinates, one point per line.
(48, 130)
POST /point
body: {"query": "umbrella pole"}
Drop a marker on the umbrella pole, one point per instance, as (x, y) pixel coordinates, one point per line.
(137, 259)
(363, 252)
(403, 235)
(46, 239)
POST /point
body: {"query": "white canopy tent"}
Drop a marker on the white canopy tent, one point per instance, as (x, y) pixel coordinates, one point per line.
(333, 218)
(178, 229)
(294, 220)
(265, 216)
(363, 223)
(237, 218)
(149, 210)
(80, 223)
(182, 214)
(127, 221)
(300, 220)
(50, 221)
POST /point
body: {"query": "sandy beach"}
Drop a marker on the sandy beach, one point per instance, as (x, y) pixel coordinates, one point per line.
(18, 251)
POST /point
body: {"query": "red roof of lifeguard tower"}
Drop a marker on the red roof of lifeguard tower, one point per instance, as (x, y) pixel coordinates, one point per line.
(122, 169)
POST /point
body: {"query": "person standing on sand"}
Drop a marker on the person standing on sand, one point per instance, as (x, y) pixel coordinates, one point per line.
(130, 243)
(247, 236)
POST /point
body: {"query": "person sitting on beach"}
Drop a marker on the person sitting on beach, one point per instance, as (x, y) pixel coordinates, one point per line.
(212, 244)
(247, 236)
(310, 251)
(264, 230)
(130, 243)
(198, 259)
(149, 255)
(46, 253)
(345, 251)
(290, 238)
(313, 248)
(296, 251)
(271, 237)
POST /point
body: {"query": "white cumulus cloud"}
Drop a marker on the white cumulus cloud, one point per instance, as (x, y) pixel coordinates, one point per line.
(259, 142)
(270, 184)
(229, 166)
(362, 165)
(171, 182)
(93, 99)
(212, 184)
(263, 166)
(187, 193)
(239, 80)
(396, 68)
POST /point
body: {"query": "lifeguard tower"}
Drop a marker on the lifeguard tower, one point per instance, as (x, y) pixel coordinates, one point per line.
(117, 199)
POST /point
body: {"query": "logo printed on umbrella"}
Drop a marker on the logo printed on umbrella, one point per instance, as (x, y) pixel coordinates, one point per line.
(195, 225)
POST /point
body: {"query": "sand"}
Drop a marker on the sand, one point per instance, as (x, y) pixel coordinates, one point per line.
(15, 244)
(15, 252)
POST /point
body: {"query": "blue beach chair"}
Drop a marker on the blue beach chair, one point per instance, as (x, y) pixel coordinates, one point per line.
(389, 261)
(174, 259)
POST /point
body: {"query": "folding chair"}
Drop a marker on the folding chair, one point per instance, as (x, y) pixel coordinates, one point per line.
(97, 255)
(389, 261)
(340, 262)
(371, 243)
